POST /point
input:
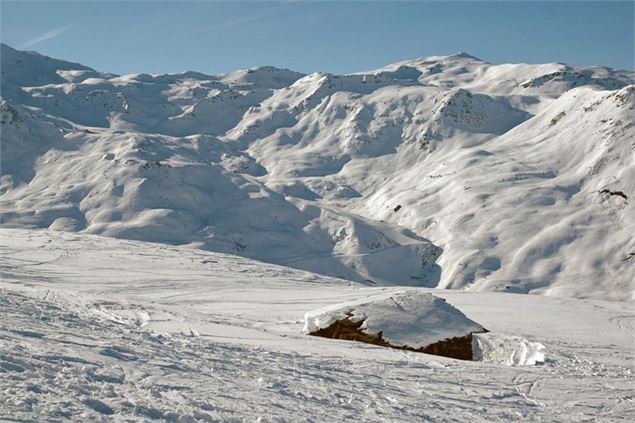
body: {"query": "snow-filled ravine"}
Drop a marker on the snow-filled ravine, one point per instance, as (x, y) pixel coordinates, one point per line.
(100, 329)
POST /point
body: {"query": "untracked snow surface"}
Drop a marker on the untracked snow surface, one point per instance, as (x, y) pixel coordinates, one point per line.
(99, 329)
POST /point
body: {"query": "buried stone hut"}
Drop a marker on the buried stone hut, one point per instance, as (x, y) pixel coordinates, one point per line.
(409, 320)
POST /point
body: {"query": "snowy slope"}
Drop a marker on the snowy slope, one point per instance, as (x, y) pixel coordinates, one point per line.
(443, 171)
(101, 329)
(542, 208)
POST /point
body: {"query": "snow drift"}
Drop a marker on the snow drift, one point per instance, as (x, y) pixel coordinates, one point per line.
(507, 350)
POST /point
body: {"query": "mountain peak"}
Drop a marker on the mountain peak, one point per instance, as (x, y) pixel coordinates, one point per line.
(29, 68)
(464, 55)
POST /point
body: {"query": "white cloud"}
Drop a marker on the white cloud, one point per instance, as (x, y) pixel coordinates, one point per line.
(46, 36)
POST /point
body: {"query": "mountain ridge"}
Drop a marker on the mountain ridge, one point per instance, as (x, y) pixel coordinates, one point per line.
(444, 171)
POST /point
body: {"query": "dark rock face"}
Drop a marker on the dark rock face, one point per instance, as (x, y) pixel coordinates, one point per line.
(459, 348)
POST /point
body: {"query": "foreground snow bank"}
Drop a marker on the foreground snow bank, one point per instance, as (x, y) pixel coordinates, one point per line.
(507, 350)
(95, 324)
(408, 319)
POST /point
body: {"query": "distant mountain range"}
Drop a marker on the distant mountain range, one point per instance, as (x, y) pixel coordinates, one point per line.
(442, 171)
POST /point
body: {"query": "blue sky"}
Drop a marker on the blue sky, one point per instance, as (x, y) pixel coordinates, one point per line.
(337, 37)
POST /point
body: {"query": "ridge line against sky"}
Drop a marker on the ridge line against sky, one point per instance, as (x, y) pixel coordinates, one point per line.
(336, 37)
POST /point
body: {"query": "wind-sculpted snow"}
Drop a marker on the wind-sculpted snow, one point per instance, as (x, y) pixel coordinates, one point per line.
(443, 171)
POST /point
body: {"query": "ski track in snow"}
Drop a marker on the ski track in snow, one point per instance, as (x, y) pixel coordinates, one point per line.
(118, 330)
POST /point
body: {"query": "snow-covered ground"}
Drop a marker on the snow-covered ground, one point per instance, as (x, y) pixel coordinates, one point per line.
(97, 328)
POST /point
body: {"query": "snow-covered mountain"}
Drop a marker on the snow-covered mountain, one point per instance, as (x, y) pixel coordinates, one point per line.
(442, 171)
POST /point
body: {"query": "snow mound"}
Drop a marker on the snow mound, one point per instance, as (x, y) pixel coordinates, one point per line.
(507, 350)
(409, 318)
